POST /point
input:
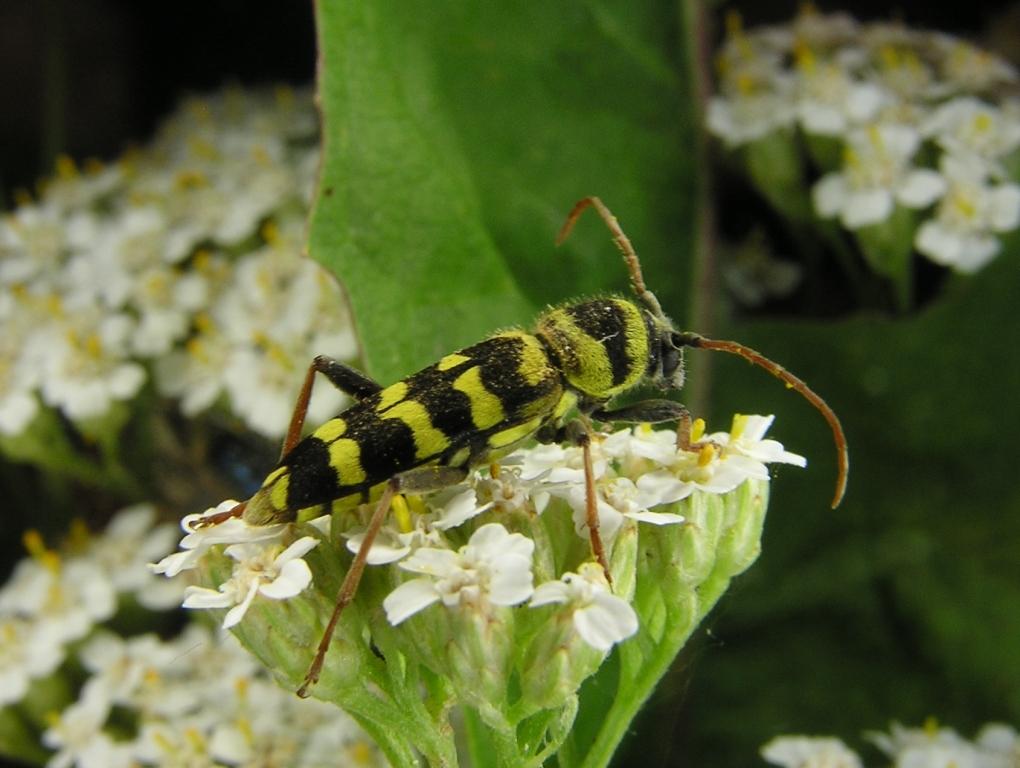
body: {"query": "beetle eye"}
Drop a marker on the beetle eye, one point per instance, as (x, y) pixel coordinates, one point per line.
(670, 360)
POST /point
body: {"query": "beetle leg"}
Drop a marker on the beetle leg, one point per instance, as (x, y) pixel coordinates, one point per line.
(579, 433)
(418, 480)
(342, 376)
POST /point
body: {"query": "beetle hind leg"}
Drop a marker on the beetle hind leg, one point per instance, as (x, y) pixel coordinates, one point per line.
(418, 480)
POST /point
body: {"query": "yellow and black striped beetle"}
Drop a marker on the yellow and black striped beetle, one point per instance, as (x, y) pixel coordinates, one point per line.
(429, 430)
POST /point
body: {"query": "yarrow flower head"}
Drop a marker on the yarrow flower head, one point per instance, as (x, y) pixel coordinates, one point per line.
(181, 260)
(908, 138)
(491, 585)
(995, 746)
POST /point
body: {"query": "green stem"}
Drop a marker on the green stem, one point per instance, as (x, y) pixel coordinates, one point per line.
(422, 722)
(479, 745)
(18, 740)
(643, 672)
(694, 28)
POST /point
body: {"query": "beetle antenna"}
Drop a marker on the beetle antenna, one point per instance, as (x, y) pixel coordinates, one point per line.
(630, 256)
(791, 381)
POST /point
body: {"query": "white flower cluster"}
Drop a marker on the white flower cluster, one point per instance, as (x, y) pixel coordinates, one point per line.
(199, 700)
(194, 700)
(53, 600)
(639, 472)
(917, 120)
(181, 261)
(995, 746)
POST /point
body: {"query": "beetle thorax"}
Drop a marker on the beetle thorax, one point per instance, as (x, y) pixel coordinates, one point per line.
(602, 345)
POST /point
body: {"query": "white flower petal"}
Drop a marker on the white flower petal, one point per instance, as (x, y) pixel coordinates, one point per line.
(608, 620)
(512, 580)
(409, 598)
(294, 578)
(867, 206)
(920, 188)
(203, 597)
(656, 518)
(1005, 207)
(830, 195)
(235, 614)
(550, 592)
(297, 550)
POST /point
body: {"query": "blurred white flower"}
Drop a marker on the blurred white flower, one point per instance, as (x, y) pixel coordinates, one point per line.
(27, 651)
(966, 68)
(876, 175)
(125, 547)
(185, 253)
(829, 100)
(962, 234)
(974, 131)
(750, 114)
(87, 363)
(64, 598)
(810, 752)
(78, 737)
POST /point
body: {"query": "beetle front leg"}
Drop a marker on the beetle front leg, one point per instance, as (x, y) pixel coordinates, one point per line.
(654, 412)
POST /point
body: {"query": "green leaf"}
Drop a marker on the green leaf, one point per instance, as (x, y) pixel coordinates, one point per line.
(457, 140)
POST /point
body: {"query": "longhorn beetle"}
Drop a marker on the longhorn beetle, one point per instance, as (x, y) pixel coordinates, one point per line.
(429, 430)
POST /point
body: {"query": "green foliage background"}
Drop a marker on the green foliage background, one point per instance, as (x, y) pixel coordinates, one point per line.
(456, 140)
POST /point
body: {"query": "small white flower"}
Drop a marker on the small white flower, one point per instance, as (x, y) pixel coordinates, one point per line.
(720, 462)
(755, 94)
(65, 598)
(746, 439)
(493, 567)
(166, 301)
(810, 752)
(18, 403)
(124, 549)
(87, 367)
(392, 544)
(616, 499)
(966, 68)
(642, 443)
(198, 538)
(876, 175)
(926, 747)
(32, 243)
(830, 101)
(962, 234)
(701, 470)
(195, 374)
(27, 651)
(260, 570)
(1000, 740)
(974, 130)
(601, 618)
(122, 665)
(78, 736)
(749, 114)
